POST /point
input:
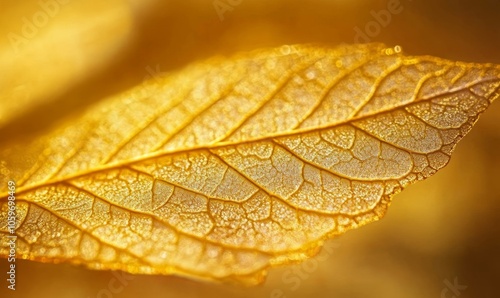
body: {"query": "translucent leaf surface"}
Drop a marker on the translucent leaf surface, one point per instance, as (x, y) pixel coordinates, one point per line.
(231, 166)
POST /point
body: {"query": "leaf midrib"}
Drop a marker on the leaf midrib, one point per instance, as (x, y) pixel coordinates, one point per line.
(151, 156)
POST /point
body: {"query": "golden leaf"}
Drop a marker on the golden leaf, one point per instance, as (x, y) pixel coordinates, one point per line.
(234, 165)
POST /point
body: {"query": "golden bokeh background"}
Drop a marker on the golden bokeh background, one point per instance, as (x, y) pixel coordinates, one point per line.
(442, 229)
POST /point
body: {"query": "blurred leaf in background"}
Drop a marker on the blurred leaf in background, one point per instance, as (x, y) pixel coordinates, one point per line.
(48, 47)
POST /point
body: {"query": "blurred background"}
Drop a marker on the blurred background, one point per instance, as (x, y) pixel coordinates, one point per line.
(58, 57)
